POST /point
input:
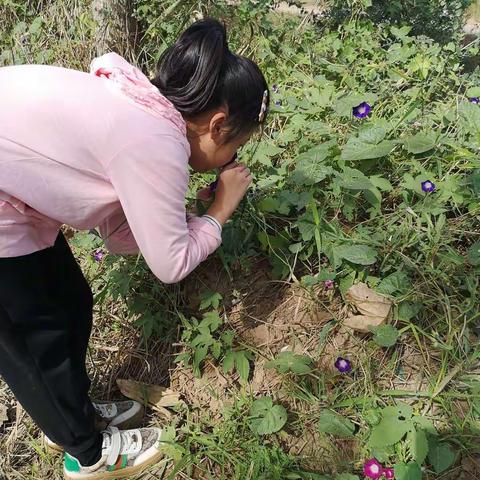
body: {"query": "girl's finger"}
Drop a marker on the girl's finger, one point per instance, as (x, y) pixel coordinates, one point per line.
(241, 167)
(229, 166)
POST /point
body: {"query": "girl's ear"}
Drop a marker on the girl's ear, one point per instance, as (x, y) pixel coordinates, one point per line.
(217, 122)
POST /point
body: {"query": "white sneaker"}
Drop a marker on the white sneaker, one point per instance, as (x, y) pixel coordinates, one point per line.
(123, 414)
(124, 453)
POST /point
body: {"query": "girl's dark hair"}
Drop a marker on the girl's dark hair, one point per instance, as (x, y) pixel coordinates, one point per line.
(199, 73)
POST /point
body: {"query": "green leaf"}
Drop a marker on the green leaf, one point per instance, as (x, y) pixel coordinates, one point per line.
(441, 456)
(335, 424)
(296, 247)
(385, 335)
(473, 92)
(216, 349)
(469, 117)
(420, 143)
(425, 424)
(358, 254)
(307, 229)
(410, 471)
(358, 149)
(475, 181)
(401, 410)
(267, 418)
(265, 152)
(381, 183)
(400, 33)
(473, 254)
(408, 310)
(383, 454)
(389, 431)
(228, 362)
(309, 168)
(353, 179)
(242, 364)
(269, 204)
(418, 445)
(210, 299)
(199, 356)
(211, 320)
(286, 362)
(346, 476)
(395, 282)
(36, 26)
(307, 173)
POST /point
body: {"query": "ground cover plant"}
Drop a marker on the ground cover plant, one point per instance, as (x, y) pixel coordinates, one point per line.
(367, 176)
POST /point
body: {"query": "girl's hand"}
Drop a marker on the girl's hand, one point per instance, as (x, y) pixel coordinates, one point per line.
(233, 183)
(204, 194)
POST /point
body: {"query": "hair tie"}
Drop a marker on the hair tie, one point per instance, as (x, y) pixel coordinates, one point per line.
(263, 108)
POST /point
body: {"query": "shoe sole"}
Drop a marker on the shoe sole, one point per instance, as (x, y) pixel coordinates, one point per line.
(132, 422)
(118, 474)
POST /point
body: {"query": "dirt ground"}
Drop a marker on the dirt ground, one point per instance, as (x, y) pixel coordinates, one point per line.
(268, 316)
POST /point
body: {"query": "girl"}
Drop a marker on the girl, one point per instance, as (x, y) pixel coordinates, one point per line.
(108, 149)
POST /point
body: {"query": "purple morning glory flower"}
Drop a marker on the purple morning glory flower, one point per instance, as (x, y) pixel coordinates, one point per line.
(362, 110)
(328, 284)
(474, 100)
(343, 365)
(428, 186)
(278, 103)
(275, 88)
(213, 185)
(98, 255)
(389, 473)
(372, 469)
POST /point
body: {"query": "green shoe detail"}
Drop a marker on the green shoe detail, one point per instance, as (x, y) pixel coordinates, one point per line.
(121, 463)
(71, 464)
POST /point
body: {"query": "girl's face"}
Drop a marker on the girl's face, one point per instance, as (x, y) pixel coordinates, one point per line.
(205, 135)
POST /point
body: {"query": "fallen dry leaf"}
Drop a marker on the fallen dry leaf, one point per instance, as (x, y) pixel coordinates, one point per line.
(153, 395)
(3, 414)
(372, 306)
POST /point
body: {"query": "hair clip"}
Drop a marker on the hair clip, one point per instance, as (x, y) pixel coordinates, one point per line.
(263, 108)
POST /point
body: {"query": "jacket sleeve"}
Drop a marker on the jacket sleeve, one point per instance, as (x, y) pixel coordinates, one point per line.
(151, 181)
(117, 235)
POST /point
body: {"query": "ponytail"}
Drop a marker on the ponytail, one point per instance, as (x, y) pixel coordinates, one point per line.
(199, 73)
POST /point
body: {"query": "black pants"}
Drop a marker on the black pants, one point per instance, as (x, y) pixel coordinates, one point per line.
(45, 323)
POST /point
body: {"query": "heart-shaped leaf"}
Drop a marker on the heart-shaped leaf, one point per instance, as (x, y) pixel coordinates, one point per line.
(420, 143)
(385, 335)
(267, 418)
(440, 455)
(395, 424)
(473, 254)
(358, 149)
(358, 254)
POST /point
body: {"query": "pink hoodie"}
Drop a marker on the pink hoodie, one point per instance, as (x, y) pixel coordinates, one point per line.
(101, 149)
